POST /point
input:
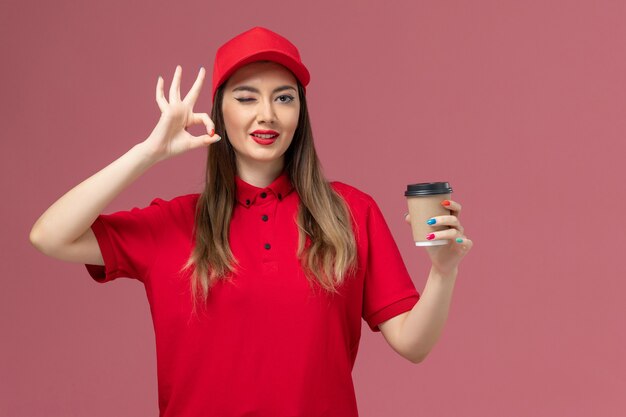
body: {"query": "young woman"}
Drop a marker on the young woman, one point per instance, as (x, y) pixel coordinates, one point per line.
(258, 284)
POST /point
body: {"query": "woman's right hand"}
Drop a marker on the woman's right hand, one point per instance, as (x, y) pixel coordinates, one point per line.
(170, 137)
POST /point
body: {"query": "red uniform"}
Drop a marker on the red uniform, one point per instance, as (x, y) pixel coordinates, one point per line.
(266, 344)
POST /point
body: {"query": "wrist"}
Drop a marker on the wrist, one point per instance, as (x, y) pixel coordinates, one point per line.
(147, 154)
(448, 275)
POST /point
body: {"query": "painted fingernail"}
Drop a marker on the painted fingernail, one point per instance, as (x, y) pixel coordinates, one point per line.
(431, 221)
(430, 236)
(212, 132)
(445, 202)
(459, 240)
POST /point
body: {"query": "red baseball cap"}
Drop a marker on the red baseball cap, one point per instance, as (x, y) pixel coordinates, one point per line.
(257, 44)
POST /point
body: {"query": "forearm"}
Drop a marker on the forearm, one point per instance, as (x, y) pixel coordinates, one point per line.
(72, 214)
(423, 325)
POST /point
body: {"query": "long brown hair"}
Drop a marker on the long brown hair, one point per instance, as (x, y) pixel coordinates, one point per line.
(323, 216)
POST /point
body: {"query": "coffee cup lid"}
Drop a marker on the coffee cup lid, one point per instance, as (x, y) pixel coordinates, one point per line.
(427, 188)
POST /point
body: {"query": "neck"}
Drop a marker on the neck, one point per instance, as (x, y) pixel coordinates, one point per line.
(259, 174)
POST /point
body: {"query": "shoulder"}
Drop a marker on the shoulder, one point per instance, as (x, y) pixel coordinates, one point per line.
(353, 196)
(176, 209)
(179, 202)
(365, 212)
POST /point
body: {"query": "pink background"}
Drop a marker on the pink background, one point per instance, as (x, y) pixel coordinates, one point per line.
(519, 105)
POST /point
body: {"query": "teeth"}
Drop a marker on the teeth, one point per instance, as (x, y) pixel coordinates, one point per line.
(263, 136)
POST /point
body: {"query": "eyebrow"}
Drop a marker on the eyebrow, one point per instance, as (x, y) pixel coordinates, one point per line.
(254, 90)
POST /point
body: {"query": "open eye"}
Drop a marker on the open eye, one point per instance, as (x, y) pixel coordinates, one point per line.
(291, 98)
(288, 96)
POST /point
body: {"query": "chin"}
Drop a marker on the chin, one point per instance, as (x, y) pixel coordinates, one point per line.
(262, 157)
(268, 160)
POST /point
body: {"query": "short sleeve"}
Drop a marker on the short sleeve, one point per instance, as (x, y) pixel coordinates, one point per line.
(388, 288)
(128, 242)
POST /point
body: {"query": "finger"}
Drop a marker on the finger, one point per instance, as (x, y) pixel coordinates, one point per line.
(451, 233)
(198, 118)
(466, 243)
(450, 220)
(407, 217)
(160, 98)
(192, 96)
(175, 87)
(453, 206)
(205, 140)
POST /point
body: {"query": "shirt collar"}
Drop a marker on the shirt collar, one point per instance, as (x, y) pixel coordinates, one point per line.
(247, 194)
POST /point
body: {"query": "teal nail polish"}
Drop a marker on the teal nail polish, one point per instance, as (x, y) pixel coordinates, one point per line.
(431, 221)
(459, 240)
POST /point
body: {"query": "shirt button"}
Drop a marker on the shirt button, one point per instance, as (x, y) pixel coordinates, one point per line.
(263, 194)
(267, 246)
(247, 202)
(264, 217)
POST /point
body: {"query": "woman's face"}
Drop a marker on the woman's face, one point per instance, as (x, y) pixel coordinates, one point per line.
(261, 96)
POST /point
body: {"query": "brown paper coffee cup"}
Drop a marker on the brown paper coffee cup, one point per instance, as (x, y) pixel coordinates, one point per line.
(424, 201)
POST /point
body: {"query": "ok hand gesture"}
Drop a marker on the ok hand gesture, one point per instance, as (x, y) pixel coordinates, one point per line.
(170, 136)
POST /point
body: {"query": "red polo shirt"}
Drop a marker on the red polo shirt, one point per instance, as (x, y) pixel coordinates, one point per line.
(267, 344)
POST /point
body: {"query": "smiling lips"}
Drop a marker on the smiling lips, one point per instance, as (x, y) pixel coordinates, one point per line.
(264, 139)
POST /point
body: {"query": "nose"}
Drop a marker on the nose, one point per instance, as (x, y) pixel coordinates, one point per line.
(266, 111)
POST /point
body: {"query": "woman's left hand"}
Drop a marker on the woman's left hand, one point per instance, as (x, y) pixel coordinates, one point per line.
(446, 258)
